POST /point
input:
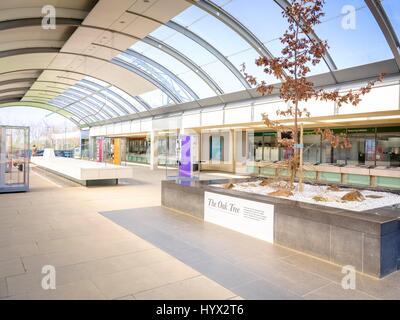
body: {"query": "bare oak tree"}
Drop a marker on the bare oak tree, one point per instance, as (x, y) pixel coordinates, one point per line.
(300, 52)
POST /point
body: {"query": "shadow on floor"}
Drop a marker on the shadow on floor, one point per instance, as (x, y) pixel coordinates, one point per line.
(251, 268)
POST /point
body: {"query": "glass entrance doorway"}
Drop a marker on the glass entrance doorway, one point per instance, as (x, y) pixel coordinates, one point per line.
(14, 159)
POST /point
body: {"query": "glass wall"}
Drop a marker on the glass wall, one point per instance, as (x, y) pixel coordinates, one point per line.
(167, 149)
(368, 147)
(388, 147)
(14, 159)
(264, 146)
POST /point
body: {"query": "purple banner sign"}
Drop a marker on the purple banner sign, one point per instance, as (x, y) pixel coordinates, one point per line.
(185, 164)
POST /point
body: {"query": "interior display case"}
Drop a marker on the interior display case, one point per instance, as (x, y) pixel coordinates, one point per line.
(14, 159)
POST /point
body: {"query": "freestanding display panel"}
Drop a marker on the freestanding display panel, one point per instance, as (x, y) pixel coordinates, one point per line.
(14, 159)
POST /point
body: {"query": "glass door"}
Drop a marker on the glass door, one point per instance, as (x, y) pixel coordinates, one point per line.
(14, 159)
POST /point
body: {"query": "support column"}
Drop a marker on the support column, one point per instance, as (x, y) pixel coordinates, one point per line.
(153, 150)
(3, 163)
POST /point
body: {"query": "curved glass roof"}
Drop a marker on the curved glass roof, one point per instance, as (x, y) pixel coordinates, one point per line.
(198, 53)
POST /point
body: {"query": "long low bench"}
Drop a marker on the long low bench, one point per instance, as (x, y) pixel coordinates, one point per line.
(84, 172)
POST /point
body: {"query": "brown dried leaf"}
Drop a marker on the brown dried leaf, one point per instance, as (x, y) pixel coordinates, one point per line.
(353, 196)
(281, 193)
(228, 186)
(333, 188)
(265, 182)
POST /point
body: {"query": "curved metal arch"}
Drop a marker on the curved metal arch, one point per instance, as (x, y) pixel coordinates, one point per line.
(35, 22)
(65, 95)
(45, 90)
(165, 70)
(15, 52)
(14, 89)
(80, 113)
(234, 24)
(160, 45)
(14, 104)
(109, 91)
(142, 102)
(386, 27)
(12, 81)
(115, 96)
(156, 65)
(81, 99)
(153, 80)
(96, 111)
(75, 111)
(169, 73)
(203, 43)
(87, 106)
(156, 43)
(11, 96)
(86, 99)
(79, 85)
(59, 70)
(121, 64)
(87, 103)
(101, 89)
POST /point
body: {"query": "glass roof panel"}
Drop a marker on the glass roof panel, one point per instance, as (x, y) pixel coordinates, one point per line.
(97, 110)
(178, 68)
(103, 102)
(84, 91)
(197, 84)
(156, 73)
(157, 55)
(392, 9)
(97, 81)
(212, 30)
(156, 98)
(226, 79)
(128, 98)
(258, 18)
(353, 35)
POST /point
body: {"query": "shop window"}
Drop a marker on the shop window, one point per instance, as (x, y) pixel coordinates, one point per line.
(217, 148)
(312, 148)
(138, 150)
(388, 149)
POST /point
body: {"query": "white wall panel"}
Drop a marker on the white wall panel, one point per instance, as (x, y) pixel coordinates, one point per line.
(126, 127)
(191, 120)
(269, 108)
(146, 125)
(135, 126)
(318, 108)
(238, 115)
(379, 99)
(212, 118)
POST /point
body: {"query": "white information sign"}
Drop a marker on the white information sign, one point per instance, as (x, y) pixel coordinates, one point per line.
(252, 218)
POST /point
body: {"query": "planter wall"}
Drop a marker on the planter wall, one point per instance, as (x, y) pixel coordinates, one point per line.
(369, 241)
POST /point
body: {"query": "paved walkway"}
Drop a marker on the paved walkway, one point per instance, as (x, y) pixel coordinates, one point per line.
(118, 243)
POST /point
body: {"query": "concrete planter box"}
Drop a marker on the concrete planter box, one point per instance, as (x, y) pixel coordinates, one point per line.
(369, 241)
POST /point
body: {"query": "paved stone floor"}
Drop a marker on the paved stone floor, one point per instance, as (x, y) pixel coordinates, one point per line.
(118, 243)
